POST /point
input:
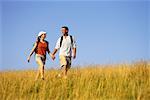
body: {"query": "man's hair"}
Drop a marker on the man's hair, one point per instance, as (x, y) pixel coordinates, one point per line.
(65, 28)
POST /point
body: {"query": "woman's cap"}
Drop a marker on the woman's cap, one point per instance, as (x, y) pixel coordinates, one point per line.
(41, 33)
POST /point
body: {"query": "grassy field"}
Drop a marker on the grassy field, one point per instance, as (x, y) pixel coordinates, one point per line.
(111, 82)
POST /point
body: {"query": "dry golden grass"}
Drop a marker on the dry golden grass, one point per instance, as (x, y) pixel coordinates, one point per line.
(111, 82)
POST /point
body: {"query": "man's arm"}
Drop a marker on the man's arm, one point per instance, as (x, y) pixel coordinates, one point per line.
(53, 54)
(56, 47)
(55, 51)
(74, 53)
(74, 49)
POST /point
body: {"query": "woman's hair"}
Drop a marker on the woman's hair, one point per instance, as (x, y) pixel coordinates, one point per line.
(38, 39)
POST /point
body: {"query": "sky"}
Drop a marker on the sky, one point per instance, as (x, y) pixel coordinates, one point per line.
(149, 27)
(106, 32)
(0, 34)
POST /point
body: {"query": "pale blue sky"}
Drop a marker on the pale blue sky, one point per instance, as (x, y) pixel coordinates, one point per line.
(149, 26)
(0, 36)
(106, 31)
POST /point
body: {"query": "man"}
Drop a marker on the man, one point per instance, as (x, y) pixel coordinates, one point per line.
(67, 46)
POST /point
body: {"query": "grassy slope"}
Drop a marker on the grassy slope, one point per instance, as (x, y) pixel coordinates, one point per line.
(118, 82)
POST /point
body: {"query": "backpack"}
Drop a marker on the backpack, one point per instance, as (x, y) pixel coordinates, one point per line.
(62, 40)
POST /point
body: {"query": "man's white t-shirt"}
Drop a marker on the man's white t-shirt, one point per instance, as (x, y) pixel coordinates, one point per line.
(66, 46)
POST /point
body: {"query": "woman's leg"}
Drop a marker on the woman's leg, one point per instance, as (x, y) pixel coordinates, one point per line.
(41, 70)
(38, 73)
(43, 65)
(40, 67)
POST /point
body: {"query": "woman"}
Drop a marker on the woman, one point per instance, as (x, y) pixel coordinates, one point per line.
(40, 48)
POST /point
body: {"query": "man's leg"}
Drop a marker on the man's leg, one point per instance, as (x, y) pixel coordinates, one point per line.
(63, 64)
(67, 66)
(68, 60)
(65, 70)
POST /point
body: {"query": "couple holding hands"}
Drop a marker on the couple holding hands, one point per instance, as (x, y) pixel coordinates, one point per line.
(66, 45)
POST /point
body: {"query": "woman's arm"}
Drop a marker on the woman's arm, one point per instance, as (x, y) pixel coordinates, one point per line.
(32, 51)
(49, 52)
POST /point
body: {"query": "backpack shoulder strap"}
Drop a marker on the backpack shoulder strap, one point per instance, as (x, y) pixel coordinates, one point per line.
(71, 39)
(61, 39)
(46, 42)
(36, 46)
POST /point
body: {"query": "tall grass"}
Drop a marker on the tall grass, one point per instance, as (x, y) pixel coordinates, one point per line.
(112, 82)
